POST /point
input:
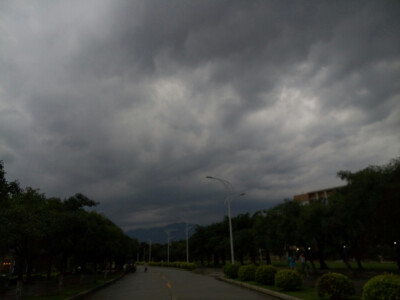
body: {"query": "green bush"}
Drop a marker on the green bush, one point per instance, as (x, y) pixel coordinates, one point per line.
(231, 270)
(386, 286)
(335, 285)
(288, 280)
(247, 272)
(175, 264)
(265, 275)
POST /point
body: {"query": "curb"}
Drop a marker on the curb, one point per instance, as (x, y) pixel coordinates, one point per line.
(95, 289)
(258, 289)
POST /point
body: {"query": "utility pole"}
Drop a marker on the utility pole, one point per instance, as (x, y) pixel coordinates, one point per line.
(149, 251)
(168, 232)
(187, 241)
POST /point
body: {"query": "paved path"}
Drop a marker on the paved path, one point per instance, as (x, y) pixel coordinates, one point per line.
(172, 284)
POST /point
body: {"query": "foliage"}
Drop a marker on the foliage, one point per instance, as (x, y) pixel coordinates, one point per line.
(183, 265)
(370, 203)
(354, 222)
(36, 229)
(386, 286)
(244, 236)
(360, 217)
(335, 285)
(247, 272)
(175, 264)
(265, 275)
(288, 280)
(231, 270)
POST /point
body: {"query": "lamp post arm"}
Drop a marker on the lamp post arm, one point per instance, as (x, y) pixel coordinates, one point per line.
(227, 185)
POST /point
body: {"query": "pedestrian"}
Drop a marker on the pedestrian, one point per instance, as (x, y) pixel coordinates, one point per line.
(304, 267)
(291, 261)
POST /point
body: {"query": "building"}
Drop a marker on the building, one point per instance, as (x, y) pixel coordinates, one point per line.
(320, 195)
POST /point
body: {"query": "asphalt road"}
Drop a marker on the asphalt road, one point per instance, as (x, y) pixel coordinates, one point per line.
(172, 284)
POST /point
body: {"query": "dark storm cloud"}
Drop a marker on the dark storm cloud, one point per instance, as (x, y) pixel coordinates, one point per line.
(133, 103)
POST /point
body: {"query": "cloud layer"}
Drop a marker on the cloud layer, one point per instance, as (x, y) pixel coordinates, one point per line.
(134, 103)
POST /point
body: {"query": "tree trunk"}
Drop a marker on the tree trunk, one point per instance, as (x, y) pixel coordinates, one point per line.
(321, 248)
(215, 259)
(268, 257)
(241, 258)
(20, 272)
(60, 282)
(359, 265)
(18, 291)
(62, 272)
(345, 258)
(50, 262)
(313, 266)
(28, 269)
(253, 258)
(357, 254)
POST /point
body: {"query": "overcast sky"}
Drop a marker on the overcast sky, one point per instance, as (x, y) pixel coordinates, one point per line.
(133, 103)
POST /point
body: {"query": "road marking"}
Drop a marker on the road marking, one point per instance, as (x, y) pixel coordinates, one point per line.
(169, 285)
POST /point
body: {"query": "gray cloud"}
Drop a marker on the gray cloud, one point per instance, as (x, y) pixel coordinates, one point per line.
(134, 103)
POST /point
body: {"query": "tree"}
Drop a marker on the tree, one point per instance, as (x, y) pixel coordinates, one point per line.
(312, 229)
(369, 206)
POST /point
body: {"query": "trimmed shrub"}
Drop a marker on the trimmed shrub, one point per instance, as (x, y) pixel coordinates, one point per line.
(231, 270)
(385, 286)
(247, 272)
(288, 280)
(265, 275)
(335, 285)
(175, 264)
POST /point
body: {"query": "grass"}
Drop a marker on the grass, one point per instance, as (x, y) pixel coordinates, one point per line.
(303, 293)
(47, 290)
(65, 294)
(367, 265)
(390, 267)
(69, 291)
(306, 293)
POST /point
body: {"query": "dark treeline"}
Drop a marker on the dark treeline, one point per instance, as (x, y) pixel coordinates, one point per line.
(361, 221)
(53, 235)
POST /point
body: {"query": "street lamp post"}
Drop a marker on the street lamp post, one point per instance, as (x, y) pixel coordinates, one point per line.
(168, 232)
(149, 251)
(228, 187)
(187, 241)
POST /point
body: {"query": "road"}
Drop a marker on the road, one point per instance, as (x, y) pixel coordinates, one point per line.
(172, 284)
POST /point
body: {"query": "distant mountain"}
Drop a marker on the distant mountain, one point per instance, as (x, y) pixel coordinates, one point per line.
(158, 235)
